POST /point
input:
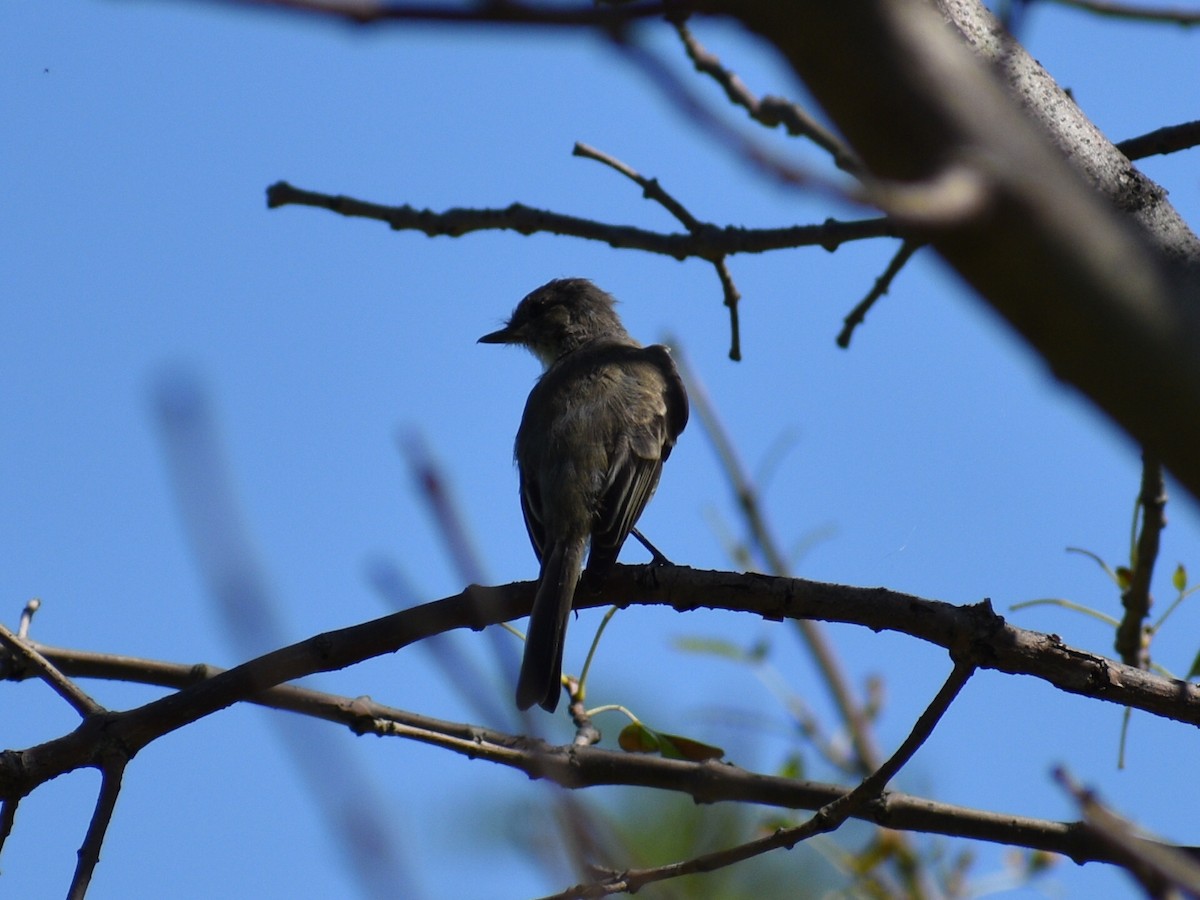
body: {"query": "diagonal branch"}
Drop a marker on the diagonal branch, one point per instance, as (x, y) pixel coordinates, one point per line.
(768, 111)
(63, 686)
(652, 190)
(828, 818)
(89, 853)
(882, 284)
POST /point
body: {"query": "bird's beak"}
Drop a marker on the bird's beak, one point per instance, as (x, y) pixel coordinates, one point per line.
(503, 336)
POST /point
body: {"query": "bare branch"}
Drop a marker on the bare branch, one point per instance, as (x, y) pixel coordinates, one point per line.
(581, 767)
(769, 111)
(652, 190)
(1166, 14)
(857, 315)
(27, 617)
(1162, 141)
(89, 853)
(710, 242)
(484, 12)
(63, 686)
(828, 818)
(974, 633)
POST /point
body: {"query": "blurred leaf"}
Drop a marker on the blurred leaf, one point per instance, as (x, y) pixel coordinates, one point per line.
(759, 650)
(793, 767)
(713, 647)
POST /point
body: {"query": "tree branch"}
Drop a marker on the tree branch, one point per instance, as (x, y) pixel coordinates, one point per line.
(828, 818)
(974, 634)
(577, 767)
(710, 242)
(1113, 311)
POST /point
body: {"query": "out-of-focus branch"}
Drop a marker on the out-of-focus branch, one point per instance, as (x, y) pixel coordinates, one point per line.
(1112, 309)
(768, 111)
(1156, 866)
(746, 494)
(485, 12)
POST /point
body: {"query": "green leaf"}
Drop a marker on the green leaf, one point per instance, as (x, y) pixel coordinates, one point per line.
(637, 738)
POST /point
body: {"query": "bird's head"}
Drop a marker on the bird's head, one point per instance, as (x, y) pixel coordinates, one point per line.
(560, 316)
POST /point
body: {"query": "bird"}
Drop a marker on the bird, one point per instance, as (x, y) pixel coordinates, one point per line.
(597, 427)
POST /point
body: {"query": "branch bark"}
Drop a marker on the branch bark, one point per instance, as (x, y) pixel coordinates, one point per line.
(1098, 273)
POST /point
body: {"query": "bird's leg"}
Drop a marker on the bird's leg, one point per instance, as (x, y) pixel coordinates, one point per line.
(658, 559)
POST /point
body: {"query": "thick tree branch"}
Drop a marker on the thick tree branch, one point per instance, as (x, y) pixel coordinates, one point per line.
(582, 767)
(1112, 310)
(974, 634)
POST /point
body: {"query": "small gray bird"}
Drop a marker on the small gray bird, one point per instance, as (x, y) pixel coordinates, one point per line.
(597, 427)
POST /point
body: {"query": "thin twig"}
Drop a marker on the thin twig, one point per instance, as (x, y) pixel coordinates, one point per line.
(27, 617)
(1167, 14)
(89, 853)
(494, 12)
(732, 300)
(1162, 141)
(769, 111)
(63, 686)
(706, 244)
(652, 190)
(881, 286)
(828, 818)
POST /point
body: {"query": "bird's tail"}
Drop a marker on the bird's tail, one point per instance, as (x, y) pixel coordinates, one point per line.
(541, 667)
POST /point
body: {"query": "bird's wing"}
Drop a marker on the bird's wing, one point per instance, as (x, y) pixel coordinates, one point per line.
(636, 460)
(531, 506)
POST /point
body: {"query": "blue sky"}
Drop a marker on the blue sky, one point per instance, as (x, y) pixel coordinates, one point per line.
(939, 456)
